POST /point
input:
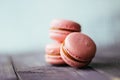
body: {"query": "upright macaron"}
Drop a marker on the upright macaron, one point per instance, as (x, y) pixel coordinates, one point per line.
(52, 55)
(60, 28)
(78, 50)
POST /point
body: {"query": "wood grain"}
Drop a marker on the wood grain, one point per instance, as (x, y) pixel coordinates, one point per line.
(50, 73)
(26, 61)
(33, 67)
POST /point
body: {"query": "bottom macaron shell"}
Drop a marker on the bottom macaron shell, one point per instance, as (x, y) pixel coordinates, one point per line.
(71, 62)
(58, 35)
(54, 60)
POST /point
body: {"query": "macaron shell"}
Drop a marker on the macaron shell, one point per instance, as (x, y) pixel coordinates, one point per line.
(80, 46)
(65, 24)
(54, 60)
(58, 35)
(52, 55)
(53, 48)
(71, 62)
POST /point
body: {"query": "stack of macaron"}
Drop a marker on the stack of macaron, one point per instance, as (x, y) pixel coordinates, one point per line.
(70, 46)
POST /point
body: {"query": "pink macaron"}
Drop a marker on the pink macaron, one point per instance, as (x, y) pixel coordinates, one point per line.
(78, 50)
(52, 55)
(60, 28)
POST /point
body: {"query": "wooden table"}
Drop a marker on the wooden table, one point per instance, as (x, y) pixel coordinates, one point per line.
(31, 66)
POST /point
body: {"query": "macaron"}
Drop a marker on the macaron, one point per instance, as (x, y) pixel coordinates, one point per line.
(52, 55)
(78, 50)
(60, 28)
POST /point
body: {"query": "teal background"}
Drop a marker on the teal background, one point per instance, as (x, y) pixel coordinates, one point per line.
(24, 24)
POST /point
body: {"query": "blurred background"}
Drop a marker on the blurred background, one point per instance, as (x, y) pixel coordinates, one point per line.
(24, 24)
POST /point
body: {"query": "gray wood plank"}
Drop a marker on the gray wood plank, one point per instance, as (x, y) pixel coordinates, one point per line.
(29, 60)
(89, 73)
(62, 73)
(33, 67)
(107, 61)
(50, 73)
(109, 66)
(6, 69)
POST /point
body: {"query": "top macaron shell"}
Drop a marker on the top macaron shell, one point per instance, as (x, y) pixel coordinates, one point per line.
(53, 48)
(80, 46)
(65, 24)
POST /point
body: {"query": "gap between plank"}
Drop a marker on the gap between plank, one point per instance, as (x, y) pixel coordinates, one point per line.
(14, 68)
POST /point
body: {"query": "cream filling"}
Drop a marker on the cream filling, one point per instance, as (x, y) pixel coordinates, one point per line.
(54, 54)
(53, 28)
(67, 54)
